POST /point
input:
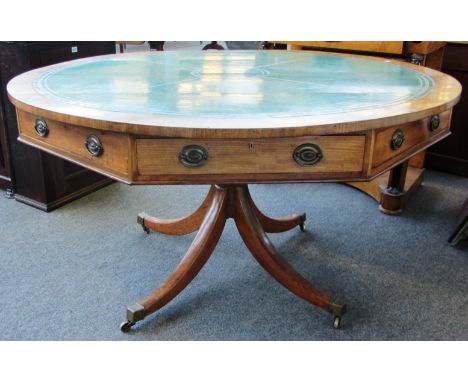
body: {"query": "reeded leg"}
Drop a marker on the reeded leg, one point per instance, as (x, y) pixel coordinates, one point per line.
(275, 225)
(177, 227)
(200, 250)
(265, 253)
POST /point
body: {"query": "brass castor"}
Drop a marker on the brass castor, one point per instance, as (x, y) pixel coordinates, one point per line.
(337, 322)
(141, 221)
(126, 326)
(303, 226)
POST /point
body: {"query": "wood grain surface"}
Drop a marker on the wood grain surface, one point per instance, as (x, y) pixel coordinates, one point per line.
(340, 154)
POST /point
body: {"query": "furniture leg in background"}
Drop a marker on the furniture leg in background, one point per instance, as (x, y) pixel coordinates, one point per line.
(460, 231)
(393, 188)
(123, 44)
(156, 45)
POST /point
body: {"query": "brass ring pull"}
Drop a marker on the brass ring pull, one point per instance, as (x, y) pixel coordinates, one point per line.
(94, 145)
(193, 156)
(308, 154)
(41, 127)
(398, 138)
(434, 123)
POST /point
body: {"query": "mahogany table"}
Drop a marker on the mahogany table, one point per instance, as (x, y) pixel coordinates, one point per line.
(228, 119)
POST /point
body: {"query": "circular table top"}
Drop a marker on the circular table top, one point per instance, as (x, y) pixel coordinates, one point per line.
(234, 90)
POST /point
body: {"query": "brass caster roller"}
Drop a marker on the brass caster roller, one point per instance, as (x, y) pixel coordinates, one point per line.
(303, 226)
(141, 221)
(337, 309)
(126, 326)
(337, 322)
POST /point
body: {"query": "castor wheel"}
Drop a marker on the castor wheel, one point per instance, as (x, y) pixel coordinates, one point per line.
(337, 322)
(302, 226)
(125, 326)
(141, 221)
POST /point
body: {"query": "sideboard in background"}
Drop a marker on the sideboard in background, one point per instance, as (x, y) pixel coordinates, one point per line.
(29, 175)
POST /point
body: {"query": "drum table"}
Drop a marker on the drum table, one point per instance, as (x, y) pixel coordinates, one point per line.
(228, 119)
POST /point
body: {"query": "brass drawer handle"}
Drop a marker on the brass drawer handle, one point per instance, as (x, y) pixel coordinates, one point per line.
(193, 156)
(434, 123)
(398, 138)
(308, 154)
(41, 127)
(94, 145)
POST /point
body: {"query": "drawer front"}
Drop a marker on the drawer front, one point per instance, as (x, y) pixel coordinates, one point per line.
(415, 135)
(69, 142)
(340, 154)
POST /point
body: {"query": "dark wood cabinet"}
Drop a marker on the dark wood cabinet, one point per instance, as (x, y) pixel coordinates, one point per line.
(451, 154)
(5, 177)
(35, 177)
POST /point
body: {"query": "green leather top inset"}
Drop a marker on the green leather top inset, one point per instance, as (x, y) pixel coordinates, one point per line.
(233, 83)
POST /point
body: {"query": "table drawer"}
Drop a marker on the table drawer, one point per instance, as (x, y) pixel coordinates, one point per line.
(393, 142)
(70, 141)
(344, 154)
